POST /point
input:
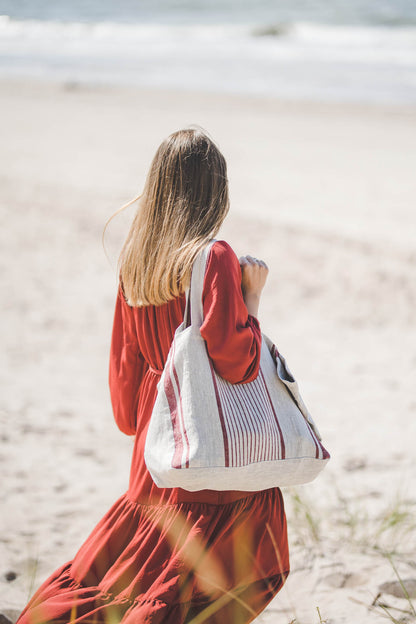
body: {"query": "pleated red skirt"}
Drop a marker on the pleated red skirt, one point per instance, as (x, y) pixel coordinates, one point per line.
(168, 564)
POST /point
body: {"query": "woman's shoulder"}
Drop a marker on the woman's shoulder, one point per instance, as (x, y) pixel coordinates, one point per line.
(222, 267)
(222, 253)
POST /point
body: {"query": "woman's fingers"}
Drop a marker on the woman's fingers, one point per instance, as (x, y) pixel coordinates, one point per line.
(253, 275)
(251, 260)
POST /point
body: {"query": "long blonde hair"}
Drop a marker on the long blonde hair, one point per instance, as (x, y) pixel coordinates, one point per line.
(184, 202)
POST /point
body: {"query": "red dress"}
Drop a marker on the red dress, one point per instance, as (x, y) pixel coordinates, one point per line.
(166, 555)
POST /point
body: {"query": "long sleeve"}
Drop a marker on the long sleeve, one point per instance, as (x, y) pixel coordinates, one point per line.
(232, 336)
(127, 367)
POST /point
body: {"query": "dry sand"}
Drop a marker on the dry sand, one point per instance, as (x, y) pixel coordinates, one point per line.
(325, 193)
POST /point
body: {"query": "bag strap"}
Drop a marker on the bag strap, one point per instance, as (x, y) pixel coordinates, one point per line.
(194, 294)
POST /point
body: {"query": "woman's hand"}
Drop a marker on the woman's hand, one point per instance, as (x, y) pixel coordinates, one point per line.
(254, 275)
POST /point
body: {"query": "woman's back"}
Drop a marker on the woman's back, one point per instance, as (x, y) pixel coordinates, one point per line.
(140, 344)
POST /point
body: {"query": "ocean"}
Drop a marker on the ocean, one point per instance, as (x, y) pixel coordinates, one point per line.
(343, 50)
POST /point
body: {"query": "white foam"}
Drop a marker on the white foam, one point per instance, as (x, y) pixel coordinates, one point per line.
(306, 60)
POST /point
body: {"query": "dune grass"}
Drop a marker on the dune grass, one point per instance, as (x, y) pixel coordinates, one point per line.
(384, 531)
(405, 614)
(384, 534)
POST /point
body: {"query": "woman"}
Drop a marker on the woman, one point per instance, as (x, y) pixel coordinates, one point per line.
(168, 555)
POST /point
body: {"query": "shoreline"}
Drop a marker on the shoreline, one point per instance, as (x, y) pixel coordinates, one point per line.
(319, 105)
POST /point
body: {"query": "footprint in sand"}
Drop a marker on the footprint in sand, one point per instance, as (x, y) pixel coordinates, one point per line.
(339, 580)
(85, 452)
(355, 463)
(395, 588)
(61, 487)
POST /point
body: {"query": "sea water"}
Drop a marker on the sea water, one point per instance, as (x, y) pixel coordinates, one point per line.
(344, 50)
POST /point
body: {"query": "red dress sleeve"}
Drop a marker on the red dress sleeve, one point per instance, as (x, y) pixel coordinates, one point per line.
(127, 367)
(233, 336)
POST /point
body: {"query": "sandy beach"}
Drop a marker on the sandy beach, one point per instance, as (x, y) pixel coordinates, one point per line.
(325, 193)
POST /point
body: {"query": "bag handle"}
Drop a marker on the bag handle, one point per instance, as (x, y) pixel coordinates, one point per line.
(194, 311)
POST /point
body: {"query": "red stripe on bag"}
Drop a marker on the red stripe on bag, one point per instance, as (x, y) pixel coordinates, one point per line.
(320, 449)
(258, 426)
(231, 410)
(263, 433)
(234, 426)
(229, 423)
(185, 434)
(173, 405)
(282, 442)
(325, 454)
(269, 432)
(315, 439)
(221, 415)
(250, 439)
(273, 432)
(248, 436)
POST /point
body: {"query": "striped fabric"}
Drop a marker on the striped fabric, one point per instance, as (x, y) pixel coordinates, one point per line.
(172, 390)
(206, 433)
(250, 435)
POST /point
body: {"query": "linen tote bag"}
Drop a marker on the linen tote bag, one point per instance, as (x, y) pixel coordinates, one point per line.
(207, 433)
